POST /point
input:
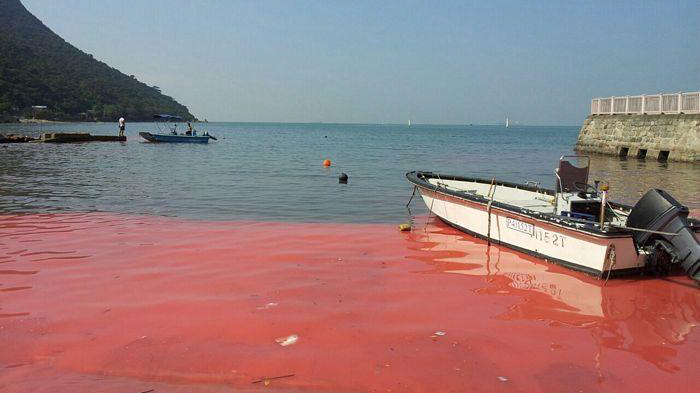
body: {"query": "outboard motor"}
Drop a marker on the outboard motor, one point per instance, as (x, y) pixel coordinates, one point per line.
(659, 211)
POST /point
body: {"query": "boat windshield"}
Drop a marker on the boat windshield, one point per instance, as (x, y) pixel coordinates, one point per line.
(167, 123)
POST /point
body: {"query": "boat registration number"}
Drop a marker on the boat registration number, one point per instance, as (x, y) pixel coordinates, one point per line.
(520, 226)
(547, 237)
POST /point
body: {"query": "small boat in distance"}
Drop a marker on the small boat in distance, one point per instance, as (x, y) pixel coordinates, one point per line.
(167, 127)
(574, 225)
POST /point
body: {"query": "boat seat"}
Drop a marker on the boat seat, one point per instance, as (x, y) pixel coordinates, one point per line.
(569, 174)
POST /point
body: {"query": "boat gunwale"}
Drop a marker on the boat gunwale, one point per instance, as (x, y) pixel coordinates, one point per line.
(419, 179)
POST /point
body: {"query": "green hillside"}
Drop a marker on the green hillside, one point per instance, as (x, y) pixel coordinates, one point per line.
(37, 67)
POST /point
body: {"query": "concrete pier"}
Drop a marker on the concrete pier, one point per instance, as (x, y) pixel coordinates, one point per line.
(15, 138)
(663, 137)
(79, 137)
(61, 137)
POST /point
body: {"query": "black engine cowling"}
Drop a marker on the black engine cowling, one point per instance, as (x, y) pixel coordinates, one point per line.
(659, 211)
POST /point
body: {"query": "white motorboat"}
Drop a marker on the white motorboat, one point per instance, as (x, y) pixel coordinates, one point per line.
(574, 225)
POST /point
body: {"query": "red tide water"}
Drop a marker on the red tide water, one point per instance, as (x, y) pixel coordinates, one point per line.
(115, 303)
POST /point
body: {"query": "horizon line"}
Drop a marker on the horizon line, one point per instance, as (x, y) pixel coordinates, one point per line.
(389, 123)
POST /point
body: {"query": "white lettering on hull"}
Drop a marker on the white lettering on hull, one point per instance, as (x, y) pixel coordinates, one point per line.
(547, 237)
(520, 226)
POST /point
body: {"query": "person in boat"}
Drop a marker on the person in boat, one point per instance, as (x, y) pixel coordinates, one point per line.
(122, 126)
(189, 129)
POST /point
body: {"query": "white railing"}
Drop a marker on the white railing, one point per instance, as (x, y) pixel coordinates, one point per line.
(647, 104)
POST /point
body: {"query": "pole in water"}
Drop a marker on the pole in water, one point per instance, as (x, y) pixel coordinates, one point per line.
(343, 178)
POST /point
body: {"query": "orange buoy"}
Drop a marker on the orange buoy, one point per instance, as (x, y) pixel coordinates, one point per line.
(326, 162)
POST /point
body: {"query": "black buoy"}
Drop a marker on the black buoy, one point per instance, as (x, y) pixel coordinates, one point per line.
(343, 178)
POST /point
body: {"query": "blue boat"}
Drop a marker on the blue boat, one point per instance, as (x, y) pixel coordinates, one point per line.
(171, 138)
(168, 132)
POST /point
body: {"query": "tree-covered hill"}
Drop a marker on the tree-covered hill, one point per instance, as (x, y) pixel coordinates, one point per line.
(37, 67)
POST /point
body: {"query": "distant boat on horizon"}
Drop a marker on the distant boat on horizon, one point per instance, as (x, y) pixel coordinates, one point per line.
(409, 122)
(507, 122)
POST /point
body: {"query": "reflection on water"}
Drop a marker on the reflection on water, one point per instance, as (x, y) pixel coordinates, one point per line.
(630, 178)
(642, 316)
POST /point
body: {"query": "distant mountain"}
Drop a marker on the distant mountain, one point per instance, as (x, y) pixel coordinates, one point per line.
(37, 68)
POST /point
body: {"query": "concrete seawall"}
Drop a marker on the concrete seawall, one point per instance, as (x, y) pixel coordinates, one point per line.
(657, 137)
(61, 137)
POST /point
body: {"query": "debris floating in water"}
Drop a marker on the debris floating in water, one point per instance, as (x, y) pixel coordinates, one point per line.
(503, 379)
(268, 305)
(286, 341)
(266, 380)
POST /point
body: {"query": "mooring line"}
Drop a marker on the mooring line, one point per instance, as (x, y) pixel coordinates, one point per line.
(488, 210)
(411, 198)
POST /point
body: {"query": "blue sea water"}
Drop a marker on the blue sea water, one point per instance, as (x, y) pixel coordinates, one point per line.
(273, 171)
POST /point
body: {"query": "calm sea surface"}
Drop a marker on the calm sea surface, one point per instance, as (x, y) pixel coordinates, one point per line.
(261, 246)
(273, 172)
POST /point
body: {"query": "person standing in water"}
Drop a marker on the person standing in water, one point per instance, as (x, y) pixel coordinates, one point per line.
(122, 126)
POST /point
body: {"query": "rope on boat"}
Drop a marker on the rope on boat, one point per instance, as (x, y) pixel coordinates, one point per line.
(644, 230)
(612, 258)
(444, 185)
(411, 198)
(410, 214)
(613, 210)
(633, 228)
(430, 210)
(492, 192)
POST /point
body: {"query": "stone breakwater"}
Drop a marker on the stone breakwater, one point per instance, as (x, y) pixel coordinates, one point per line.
(658, 137)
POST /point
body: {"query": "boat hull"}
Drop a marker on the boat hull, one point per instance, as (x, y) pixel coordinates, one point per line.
(599, 254)
(167, 138)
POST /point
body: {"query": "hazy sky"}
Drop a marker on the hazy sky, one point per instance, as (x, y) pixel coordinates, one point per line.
(459, 62)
